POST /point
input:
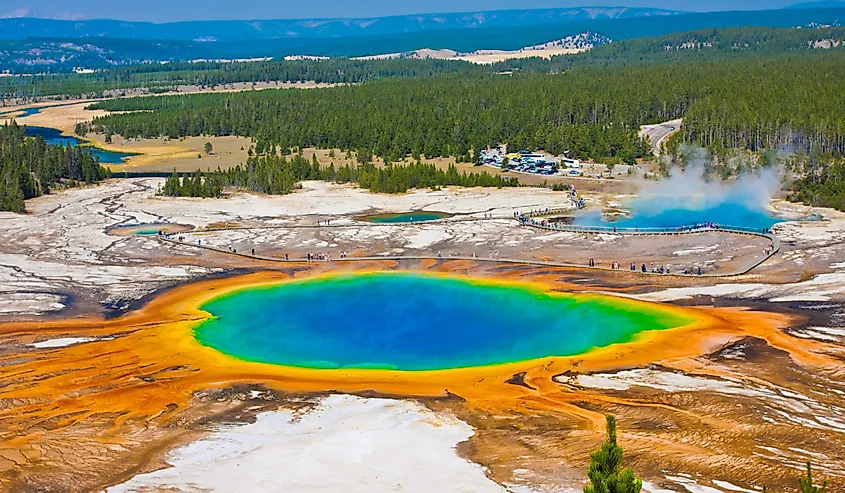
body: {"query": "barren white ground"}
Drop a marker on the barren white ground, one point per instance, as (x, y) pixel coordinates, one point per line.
(347, 444)
(61, 249)
(62, 245)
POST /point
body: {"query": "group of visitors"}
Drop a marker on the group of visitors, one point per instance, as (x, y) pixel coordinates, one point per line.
(524, 219)
(324, 257)
(697, 226)
(532, 212)
(313, 257)
(653, 268)
(180, 238)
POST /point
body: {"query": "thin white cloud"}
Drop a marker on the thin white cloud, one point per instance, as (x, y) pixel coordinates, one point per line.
(63, 16)
(16, 13)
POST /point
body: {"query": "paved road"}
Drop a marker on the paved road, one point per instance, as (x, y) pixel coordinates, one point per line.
(659, 132)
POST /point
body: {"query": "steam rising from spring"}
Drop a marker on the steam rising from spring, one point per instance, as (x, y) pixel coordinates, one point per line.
(691, 195)
(694, 187)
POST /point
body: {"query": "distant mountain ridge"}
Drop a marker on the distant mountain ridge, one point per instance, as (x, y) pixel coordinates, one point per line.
(62, 54)
(824, 4)
(711, 44)
(23, 28)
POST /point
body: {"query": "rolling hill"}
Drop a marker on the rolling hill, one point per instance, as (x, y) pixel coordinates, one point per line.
(62, 54)
(824, 4)
(226, 31)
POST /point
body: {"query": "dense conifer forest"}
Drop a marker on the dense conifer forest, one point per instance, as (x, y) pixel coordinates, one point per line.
(440, 116)
(278, 175)
(822, 185)
(784, 103)
(30, 168)
(163, 77)
(693, 46)
(700, 45)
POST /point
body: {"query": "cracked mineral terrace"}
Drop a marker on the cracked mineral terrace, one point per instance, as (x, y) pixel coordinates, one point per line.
(100, 392)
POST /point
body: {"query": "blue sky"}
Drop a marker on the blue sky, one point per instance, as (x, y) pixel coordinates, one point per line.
(176, 10)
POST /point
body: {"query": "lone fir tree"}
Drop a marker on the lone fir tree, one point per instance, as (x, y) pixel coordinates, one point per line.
(807, 485)
(606, 473)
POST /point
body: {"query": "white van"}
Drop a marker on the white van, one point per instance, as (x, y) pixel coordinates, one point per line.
(571, 163)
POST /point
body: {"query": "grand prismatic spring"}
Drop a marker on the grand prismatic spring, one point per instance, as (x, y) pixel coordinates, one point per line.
(502, 352)
(417, 322)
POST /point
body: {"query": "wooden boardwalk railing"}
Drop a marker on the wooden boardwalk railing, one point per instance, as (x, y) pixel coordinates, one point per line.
(775, 242)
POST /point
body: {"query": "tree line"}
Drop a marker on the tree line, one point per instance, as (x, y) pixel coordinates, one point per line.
(30, 168)
(822, 184)
(436, 117)
(783, 103)
(156, 77)
(692, 46)
(279, 175)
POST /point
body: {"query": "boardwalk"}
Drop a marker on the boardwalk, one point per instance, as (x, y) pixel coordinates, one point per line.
(520, 220)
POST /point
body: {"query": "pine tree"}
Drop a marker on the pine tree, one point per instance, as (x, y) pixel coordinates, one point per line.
(807, 485)
(606, 473)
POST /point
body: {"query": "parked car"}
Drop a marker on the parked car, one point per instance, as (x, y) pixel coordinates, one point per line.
(573, 172)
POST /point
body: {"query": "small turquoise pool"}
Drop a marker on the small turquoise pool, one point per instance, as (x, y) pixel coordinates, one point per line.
(417, 322)
(406, 217)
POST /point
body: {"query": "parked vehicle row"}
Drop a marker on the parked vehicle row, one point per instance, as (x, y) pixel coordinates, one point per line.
(527, 162)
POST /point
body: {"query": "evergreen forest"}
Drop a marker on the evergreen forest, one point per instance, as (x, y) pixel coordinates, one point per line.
(30, 168)
(691, 46)
(279, 175)
(788, 103)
